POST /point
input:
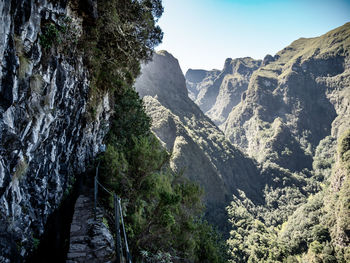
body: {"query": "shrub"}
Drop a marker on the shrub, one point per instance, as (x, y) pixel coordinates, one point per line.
(50, 35)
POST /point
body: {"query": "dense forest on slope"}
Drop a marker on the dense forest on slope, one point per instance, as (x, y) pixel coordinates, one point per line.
(299, 104)
(317, 231)
(163, 208)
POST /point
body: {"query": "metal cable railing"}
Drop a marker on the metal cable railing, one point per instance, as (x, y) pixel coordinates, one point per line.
(116, 216)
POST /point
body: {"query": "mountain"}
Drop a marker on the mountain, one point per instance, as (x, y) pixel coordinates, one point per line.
(197, 146)
(288, 113)
(198, 80)
(296, 99)
(295, 111)
(279, 109)
(217, 92)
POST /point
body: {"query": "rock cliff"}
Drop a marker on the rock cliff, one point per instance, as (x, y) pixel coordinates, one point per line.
(198, 80)
(217, 92)
(198, 147)
(47, 135)
(294, 100)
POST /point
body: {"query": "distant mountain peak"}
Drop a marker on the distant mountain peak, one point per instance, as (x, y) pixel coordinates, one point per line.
(165, 71)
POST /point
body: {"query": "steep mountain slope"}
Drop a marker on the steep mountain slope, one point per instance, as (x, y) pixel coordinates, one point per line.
(272, 193)
(317, 231)
(325, 218)
(289, 118)
(196, 144)
(198, 80)
(219, 91)
(298, 98)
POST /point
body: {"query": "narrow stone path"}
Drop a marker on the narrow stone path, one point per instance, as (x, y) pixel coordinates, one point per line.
(90, 239)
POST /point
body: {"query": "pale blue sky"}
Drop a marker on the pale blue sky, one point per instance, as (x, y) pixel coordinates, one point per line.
(203, 33)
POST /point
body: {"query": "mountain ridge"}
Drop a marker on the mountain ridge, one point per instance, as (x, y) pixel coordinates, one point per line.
(218, 91)
(293, 89)
(196, 144)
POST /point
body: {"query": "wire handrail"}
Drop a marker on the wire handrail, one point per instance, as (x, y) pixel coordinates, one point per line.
(118, 218)
(126, 240)
(104, 188)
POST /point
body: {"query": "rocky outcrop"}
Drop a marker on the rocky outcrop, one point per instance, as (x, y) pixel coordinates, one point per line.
(47, 135)
(199, 79)
(297, 98)
(198, 147)
(236, 76)
(217, 92)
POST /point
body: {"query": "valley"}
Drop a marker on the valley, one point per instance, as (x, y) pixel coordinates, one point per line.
(262, 140)
(109, 151)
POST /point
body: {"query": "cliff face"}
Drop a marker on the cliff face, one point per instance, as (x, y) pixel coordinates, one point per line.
(196, 144)
(217, 92)
(46, 132)
(198, 80)
(295, 100)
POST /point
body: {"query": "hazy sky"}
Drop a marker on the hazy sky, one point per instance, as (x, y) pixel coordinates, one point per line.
(203, 33)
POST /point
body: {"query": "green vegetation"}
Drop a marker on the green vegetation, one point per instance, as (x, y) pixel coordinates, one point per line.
(62, 32)
(36, 243)
(124, 34)
(344, 150)
(50, 35)
(105, 222)
(163, 210)
(324, 158)
(304, 216)
(113, 46)
(316, 231)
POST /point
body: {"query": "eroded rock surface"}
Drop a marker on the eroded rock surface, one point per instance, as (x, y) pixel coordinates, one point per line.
(217, 92)
(46, 132)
